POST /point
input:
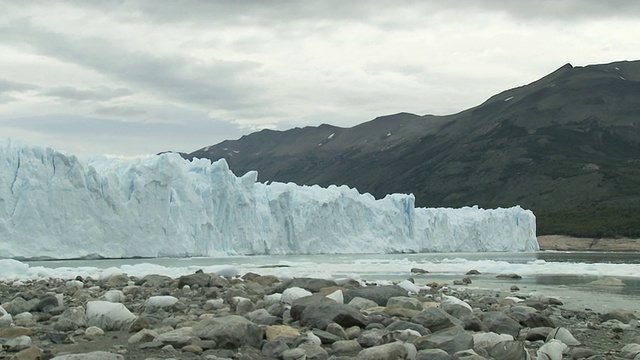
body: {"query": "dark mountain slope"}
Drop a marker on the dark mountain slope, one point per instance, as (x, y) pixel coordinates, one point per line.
(566, 146)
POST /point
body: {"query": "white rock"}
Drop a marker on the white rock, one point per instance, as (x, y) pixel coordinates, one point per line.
(107, 315)
(74, 284)
(18, 343)
(409, 286)
(24, 319)
(143, 335)
(114, 296)
(271, 299)
(215, 304)
(446, 299)
(94, 355)
(160, 302)
(293, 293)
(337, 296)
(6, 320)
(94, 331)
(487, 340)
(552, 350)
(562, 334)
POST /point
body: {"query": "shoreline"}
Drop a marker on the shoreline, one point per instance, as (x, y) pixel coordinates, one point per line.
(568, 243)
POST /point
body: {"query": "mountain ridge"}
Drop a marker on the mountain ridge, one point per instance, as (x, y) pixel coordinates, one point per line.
(566, 146)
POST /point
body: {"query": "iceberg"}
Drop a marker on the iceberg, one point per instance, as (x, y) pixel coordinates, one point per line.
(58, 206)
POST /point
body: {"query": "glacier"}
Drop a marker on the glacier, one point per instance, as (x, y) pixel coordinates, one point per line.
(58, 206)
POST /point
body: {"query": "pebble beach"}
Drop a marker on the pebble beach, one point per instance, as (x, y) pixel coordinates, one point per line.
(254, 316)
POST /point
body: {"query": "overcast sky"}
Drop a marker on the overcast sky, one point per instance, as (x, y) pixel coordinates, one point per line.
(139, 77)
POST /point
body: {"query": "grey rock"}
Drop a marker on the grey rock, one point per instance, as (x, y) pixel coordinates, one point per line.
(529, 317)
(337, 330)
(469, 355)
(509, 276)
(362, 303)
(623, 316)
(263, 317)
(319, 315)
(153, 280)
(274, 349)
(314, 351)
(500, 323)
(451, 340)
(392, 351)
(46, 303)
(372, 337)
(379, 294)
(582, 353)
(230, 331)
(509, 350)
(536, 334)
(18, 343)
(178, 337)
(405, 302)
(218, 281)
(404, 325)
(433, 354)
(71, 319)
(346, 347)
(18, 305)
(117, 281)
(200, 279)
(310, 284)
(299, 305)
(435, 319)
(94, 355)
(325, 336)
(294, 354)
(154, 344)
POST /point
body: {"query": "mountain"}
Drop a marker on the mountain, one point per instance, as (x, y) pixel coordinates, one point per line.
(566, 146)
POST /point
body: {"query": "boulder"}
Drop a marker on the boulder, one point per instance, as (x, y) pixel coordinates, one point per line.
(450, 340)
(108, 316)
(320, 314)
(435, 319)
(71, 319)
(309, 284)
(500, 323)
(392, 351)
(379, 294)
(230, 332)
(200, 279)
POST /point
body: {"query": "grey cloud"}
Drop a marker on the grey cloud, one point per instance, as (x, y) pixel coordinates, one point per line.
(200, 131)
(120, 111)
(101, 93)
(10, 86)
(374, 12)
(172, 76)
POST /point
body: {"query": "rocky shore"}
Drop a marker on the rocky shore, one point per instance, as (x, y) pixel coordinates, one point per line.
(253, 316)
(568, 243)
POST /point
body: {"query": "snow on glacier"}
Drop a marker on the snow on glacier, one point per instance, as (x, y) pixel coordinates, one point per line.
(57, 206)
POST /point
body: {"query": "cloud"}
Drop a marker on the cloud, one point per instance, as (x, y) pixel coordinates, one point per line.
(7, 86)
(136, 75)
(100, 93)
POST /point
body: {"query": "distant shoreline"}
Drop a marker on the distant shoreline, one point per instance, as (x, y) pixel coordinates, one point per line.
(568, 243)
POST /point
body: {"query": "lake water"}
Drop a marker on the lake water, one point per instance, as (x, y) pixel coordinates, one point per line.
(565, 275)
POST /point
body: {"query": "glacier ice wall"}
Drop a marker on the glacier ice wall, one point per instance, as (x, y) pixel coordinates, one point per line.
(58, 206)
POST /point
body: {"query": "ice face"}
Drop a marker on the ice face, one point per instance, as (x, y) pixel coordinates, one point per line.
(57, 206)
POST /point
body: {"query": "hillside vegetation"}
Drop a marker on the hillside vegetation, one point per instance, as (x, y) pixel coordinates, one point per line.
(566, 146)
